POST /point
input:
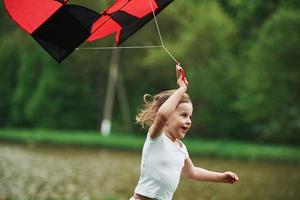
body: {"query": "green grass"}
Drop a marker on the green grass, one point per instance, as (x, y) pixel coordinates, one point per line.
(211, 148)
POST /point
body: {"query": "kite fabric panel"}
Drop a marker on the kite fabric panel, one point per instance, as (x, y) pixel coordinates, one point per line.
(60, 27)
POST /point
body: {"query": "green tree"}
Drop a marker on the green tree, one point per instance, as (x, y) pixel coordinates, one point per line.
(251, 15)
(67, 94)
(9, 64)
(269, 99)
(45, 102)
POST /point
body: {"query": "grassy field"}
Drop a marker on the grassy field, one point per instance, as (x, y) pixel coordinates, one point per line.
(34, 172)
(210, 148)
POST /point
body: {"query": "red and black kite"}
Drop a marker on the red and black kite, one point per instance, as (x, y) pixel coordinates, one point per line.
(60, 27)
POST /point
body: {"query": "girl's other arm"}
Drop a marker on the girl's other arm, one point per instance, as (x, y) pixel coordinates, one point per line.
(200, 174)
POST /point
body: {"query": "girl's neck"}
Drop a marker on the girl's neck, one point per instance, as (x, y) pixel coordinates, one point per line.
(173, 139)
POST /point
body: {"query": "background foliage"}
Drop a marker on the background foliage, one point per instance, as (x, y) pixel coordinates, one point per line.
(241, 58)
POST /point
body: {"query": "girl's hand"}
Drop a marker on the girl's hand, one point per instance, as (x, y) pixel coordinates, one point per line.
(229, 177)
(182, 82)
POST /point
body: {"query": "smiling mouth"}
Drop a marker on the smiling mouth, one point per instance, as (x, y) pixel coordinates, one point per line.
(185, 129)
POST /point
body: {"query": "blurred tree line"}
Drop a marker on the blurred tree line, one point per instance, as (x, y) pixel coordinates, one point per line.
(242, 60)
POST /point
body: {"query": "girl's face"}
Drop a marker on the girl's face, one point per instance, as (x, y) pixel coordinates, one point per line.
(180, 121)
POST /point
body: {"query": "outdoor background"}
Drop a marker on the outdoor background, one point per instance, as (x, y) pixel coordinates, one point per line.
(242, 61)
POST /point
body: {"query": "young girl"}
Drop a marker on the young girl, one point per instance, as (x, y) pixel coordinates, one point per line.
(164, 155)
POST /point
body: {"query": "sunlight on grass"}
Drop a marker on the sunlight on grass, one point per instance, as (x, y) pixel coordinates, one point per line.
(212, 148)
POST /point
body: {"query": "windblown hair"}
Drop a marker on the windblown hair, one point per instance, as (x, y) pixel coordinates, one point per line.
(151, 105)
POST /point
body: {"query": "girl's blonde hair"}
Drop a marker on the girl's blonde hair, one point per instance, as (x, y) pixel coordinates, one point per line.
(147, 114)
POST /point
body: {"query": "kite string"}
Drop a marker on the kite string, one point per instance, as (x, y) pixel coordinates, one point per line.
(138, 47)
(122, 47)
(159, 33)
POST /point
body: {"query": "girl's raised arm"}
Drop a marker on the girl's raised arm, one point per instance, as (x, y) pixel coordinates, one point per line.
(168, 107)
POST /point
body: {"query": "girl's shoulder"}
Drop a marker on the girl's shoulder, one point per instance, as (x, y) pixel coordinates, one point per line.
(182, 146)
(158, 138)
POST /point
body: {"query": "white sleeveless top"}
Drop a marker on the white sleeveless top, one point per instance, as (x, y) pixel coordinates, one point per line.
(161, 165)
